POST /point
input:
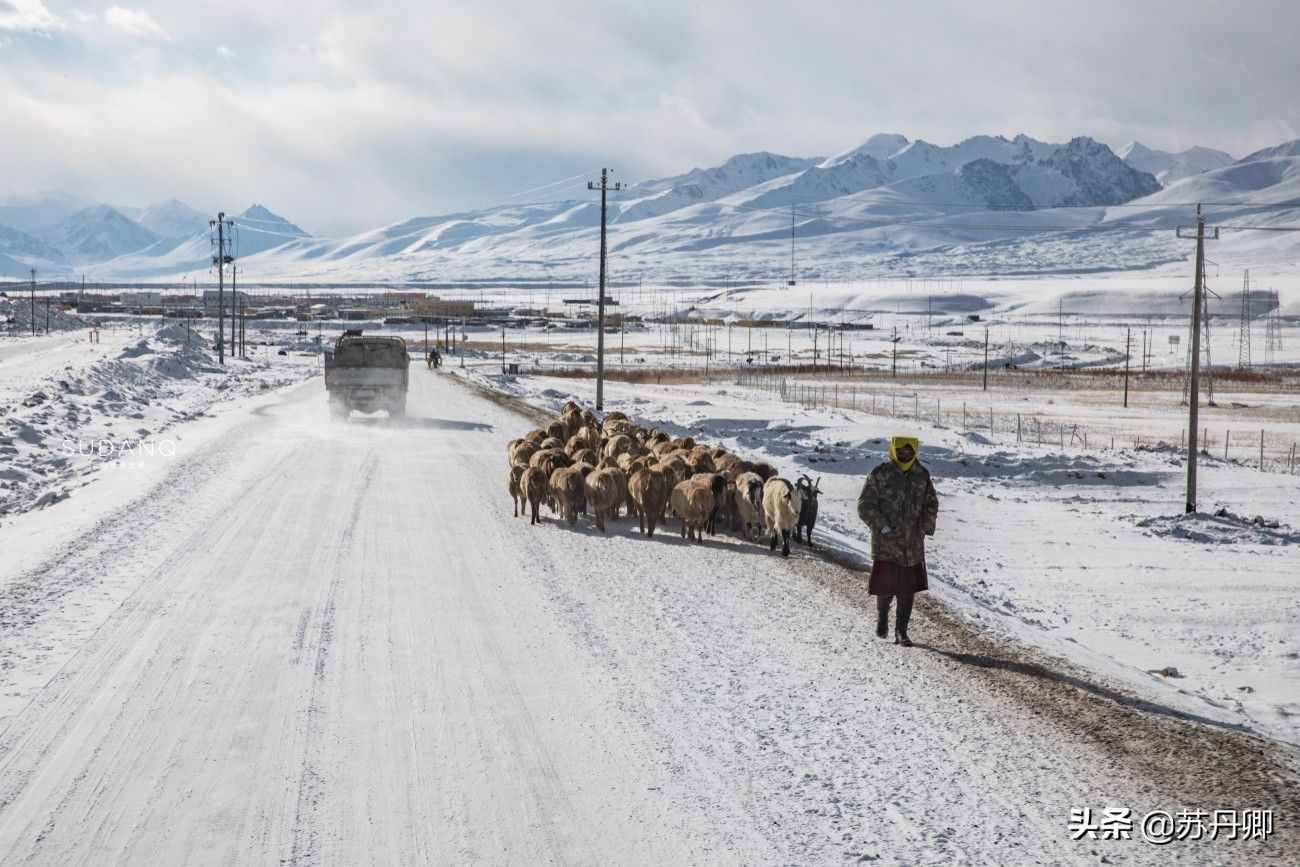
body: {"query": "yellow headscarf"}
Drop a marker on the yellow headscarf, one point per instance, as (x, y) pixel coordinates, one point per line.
(896, 443)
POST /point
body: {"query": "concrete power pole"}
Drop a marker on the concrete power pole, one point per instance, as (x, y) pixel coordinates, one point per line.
(604, 188)
(221, 260)
(33, 302)
(1194, 398)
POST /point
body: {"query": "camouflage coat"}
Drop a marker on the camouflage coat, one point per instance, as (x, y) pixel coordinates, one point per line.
(904, 503)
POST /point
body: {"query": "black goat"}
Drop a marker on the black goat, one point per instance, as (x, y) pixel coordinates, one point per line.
(808, 490)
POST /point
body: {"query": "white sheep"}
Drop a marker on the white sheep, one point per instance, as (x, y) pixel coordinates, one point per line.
(781, 505)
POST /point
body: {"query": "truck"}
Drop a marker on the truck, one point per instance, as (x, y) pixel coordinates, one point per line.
(367, 373)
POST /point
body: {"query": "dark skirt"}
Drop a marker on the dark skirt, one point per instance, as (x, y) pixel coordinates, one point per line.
(889, 579)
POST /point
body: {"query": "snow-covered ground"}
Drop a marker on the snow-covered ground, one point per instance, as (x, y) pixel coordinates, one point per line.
(79, 404)
(1085, 554)
(302, 642)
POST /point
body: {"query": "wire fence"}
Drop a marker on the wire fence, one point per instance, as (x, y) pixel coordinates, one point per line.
(1257, 448)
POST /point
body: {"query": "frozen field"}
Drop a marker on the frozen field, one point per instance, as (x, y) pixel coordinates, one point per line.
(1085, 553)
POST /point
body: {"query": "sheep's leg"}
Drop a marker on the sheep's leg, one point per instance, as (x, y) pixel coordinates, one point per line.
(810, 544)
(772, 547)
(785, 543)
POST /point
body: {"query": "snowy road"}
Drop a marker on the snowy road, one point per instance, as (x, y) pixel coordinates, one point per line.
(333, 644)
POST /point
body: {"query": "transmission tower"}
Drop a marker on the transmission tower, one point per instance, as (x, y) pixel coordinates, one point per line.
(1273, 328)
(1243, 330)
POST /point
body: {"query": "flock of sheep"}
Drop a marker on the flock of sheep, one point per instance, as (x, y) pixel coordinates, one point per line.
(580, 465)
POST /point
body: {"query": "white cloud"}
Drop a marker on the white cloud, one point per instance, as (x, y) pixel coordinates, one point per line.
(134, 22)
(27, 16)
(408, 112)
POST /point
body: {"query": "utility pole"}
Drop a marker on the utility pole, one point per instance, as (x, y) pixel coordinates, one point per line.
(604, 188)
(1128, 337)
(1243, 331)
(1194, 401)
(33, 302)
(221, 260)
(894, 366)
(234, 311)
(792, 243)
(986, 358)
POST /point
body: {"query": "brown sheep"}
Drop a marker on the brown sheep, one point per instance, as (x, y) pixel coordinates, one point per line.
(535, 436)
(514, 481)
(572, 422)
(522, 452)
(606, 489)
(585, 456)
(677, 466)
(556, 430)
(567, 490)
(717, 484)
(693, 502)
(615, 416)
(570, 406)
(649, 489)
(553, 443)
(616, 445)
(700, 462)
(536, 487)
(767, 471)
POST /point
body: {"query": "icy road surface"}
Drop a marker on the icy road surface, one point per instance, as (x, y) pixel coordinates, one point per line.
(308, 643)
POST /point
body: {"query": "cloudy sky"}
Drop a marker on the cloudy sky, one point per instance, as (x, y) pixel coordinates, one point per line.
(344, 116)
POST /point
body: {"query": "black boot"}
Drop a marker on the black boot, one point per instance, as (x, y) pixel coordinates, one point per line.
(882, 616)
(904, 615)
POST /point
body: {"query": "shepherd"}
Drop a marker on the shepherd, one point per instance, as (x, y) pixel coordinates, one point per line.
(899, 505)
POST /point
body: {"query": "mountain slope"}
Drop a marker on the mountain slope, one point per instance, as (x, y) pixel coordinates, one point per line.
(172, 219)
(97, 234)
(1170, 168)
(988, 205)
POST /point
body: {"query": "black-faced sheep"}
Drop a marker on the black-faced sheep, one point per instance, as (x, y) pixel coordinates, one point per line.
(749, 502)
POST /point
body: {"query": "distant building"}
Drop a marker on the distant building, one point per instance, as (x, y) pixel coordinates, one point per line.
(211, 300)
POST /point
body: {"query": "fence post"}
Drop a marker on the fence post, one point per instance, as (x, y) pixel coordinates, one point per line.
(1227, 437)
(938, 413)
(1017, 427)
(1261, 450)
(963, 415)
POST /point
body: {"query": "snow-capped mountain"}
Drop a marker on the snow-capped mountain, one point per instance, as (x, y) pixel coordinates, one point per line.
(1081, 172)
(97, 234)
(664, 195)
(986, 205)
(172, 219)
(28, 248)
(1286, 149)
(256, 230)
(34, 213)
(1169, 167)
